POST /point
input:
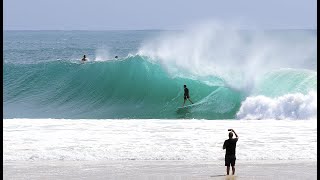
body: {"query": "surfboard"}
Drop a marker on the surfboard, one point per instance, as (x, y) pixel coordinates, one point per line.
(191, 105)
(186, 107)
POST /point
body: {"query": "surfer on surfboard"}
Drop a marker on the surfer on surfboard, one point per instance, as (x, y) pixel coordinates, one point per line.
(186, 95)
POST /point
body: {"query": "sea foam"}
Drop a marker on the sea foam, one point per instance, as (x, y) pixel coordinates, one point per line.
(156, 139)
(289, 106)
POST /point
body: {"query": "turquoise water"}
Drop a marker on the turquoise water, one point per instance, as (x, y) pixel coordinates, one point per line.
(44, 78)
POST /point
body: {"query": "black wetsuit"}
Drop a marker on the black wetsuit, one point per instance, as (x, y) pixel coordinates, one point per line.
(186, 93)
(230, 157)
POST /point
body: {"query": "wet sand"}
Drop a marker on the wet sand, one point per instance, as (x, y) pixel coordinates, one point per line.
(166, 170)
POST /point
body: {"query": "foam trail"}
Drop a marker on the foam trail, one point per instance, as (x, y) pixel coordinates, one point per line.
(290, 106)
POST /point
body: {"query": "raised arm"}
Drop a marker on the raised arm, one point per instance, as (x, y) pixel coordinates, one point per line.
(235, 133)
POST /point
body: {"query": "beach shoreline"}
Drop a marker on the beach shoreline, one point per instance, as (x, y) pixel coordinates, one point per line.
(158, 169)
(157, 149)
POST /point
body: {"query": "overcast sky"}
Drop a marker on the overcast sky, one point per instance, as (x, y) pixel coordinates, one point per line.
(156, 14)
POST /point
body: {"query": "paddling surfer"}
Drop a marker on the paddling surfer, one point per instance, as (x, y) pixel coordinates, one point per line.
(84, 58)
(186, 95)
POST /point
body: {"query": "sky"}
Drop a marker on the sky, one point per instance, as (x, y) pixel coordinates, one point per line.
(156, 14)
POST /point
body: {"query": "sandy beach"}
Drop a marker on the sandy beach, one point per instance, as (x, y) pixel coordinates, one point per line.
(158, 170)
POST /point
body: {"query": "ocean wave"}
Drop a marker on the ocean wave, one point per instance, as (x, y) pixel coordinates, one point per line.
(137, 87)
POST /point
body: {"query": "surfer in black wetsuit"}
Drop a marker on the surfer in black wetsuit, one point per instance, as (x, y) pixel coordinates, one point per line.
(186, 95)
(84, 58)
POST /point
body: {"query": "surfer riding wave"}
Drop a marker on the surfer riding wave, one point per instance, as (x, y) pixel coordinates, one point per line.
(186, 95)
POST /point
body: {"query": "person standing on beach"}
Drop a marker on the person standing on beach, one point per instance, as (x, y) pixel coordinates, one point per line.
(230, 146)
(186, 95)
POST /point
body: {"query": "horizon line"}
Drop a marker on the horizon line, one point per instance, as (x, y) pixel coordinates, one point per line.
(148, 29)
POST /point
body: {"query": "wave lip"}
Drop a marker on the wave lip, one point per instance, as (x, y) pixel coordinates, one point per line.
(289, 106)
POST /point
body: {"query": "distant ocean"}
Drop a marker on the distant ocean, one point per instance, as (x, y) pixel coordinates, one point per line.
(231, 74)
(261, 83)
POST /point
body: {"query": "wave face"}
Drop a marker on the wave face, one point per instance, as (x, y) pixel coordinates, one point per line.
(132, 88)
(226, 79)
(136, 88)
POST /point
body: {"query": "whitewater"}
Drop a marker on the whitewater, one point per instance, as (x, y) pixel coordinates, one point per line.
(159, 139)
